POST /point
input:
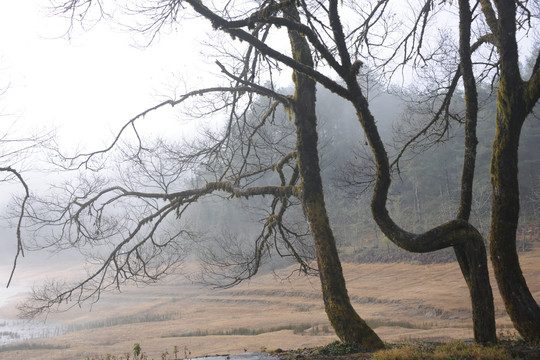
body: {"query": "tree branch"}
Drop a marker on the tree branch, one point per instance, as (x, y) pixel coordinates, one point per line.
(20, 248)
(221, 23)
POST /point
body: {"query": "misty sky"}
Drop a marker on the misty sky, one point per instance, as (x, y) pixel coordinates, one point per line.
(83, 86)
(89, 83)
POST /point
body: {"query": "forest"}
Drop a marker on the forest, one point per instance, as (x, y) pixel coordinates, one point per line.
(425, 191)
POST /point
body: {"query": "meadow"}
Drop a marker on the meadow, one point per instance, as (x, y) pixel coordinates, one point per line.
(403, 302)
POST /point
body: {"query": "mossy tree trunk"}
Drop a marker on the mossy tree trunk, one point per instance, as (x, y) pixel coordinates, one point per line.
(477, 281)
(459, 234)
(515, 100)
(519, 302)
(348, 325)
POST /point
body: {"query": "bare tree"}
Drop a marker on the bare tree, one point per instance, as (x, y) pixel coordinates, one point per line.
(133, 243)
(323, 39)
(15, 150)
(516, 99)
(489, 49)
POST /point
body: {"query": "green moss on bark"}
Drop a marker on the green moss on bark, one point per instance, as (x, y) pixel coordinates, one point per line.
(348, 325)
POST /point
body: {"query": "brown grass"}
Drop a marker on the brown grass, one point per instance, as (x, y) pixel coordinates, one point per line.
(453, 350)
(429, 302)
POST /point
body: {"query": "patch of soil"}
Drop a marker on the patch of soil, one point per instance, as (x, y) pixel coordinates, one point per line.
(314, 354)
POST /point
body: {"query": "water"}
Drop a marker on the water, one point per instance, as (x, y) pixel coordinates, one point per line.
(20, 330)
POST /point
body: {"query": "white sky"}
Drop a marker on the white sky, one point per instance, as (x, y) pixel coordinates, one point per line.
(86, 87)
(90, 84)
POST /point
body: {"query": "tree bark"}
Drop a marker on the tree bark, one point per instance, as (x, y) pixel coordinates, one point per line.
(348, 325)
(461, 235)
(515, 100)
(477, 281)
(518, 300)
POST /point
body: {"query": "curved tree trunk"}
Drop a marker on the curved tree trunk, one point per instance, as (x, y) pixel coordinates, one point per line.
(348, 325)
(461, 235)
(477, 281)
(466, 240)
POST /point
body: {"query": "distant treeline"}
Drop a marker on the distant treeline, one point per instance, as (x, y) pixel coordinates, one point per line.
(425, 190)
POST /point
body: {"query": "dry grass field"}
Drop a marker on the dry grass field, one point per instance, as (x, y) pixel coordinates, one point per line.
(401, 301)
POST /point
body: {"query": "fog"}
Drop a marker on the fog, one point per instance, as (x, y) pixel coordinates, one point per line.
(168, 287)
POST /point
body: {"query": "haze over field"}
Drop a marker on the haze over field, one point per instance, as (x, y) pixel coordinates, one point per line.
(204, 177)
(403, 302)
